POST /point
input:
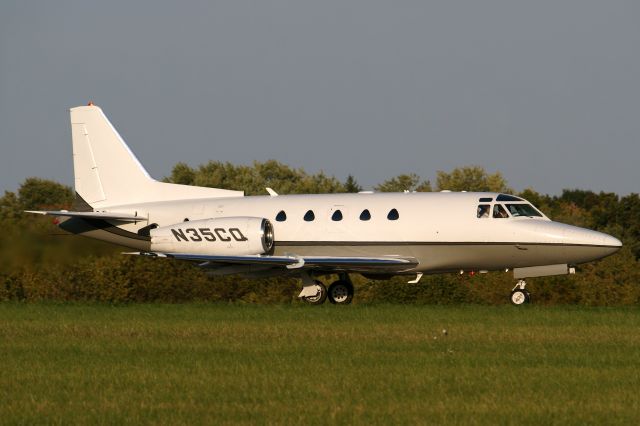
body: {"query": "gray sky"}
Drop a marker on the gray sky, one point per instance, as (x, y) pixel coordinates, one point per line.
(547, 92)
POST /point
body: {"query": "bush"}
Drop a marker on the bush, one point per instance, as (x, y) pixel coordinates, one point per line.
(38, 263)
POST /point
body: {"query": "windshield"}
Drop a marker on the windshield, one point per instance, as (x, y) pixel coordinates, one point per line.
(499, 212)
(523, 210)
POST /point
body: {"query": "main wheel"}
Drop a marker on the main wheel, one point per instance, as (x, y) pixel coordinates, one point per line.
(520, 297)
(340, 292)
(320, 296)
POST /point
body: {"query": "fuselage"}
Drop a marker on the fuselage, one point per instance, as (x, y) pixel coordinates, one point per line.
(444, 231)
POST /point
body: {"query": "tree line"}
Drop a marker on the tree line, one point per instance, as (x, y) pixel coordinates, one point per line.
(40, 262)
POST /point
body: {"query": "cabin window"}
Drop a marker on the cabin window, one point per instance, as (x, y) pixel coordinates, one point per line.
(483, 210)
(393, 214)
(499, 212)
(309, 216)
(365, 215)
(336, 216)
(523, 210)
(281, 216)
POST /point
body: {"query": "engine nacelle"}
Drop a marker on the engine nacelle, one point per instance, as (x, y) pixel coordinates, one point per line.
(228, 236)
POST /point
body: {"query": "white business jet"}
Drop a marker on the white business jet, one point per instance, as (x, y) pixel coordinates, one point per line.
(378, 235)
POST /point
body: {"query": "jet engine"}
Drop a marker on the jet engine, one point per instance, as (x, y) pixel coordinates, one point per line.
(227, 236)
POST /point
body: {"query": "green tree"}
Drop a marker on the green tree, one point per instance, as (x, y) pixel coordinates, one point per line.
(351, 185)
(404, 182)
(182, 174)
(42, 194)
(255, 178)
(37, 263)
(319, 183)
(623, 221)
(10, 207)
(471, 178)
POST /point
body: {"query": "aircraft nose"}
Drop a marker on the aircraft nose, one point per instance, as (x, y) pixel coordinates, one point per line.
(610, 244)
(593, 238)
(612, 241)
(600, 244)
(580, 245)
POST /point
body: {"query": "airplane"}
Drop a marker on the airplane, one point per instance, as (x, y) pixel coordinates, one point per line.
(377, 235)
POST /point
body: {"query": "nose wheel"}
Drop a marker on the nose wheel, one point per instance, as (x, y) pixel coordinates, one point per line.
(519, 295)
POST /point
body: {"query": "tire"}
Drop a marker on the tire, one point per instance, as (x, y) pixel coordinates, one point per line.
(320, 297)
(340, 292)
(520, 297)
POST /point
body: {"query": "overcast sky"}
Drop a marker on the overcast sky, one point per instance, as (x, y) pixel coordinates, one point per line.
(546, 92)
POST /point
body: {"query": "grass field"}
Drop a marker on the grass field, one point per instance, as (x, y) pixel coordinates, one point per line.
(178, 364)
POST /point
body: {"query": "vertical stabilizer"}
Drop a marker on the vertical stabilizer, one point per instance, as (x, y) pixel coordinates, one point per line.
(107, 173)
(102, 162)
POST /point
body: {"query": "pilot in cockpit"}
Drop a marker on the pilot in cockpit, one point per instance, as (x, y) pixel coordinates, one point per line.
(483, 210)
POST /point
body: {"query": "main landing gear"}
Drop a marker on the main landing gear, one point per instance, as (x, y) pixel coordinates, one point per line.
(319, 293)
(519, 295)
(314, 291)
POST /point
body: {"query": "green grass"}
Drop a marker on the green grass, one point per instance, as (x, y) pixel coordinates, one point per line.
(179, 364)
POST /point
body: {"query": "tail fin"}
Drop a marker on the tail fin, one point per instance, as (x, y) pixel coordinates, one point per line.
(107, 173)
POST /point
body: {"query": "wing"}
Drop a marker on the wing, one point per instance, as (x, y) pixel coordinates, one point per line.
(124, 217)
(324, 263)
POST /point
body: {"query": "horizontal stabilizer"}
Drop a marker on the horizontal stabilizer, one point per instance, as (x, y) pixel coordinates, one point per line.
(125, 217)
(364, 264)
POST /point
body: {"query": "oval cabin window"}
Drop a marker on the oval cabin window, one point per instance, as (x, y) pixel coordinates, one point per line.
(365, 215)
(309, 216)
(282, 216)
(393, 215)
(336, 216)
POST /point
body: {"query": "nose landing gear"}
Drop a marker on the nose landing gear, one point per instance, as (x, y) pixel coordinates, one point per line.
(519, 295)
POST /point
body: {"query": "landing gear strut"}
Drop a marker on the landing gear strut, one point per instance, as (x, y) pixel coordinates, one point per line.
(519, 295)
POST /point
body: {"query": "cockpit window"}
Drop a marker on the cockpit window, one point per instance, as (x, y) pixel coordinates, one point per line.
(523, 210)
(505, 197)
(486, 200)
(483, 210)
(499, 212)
